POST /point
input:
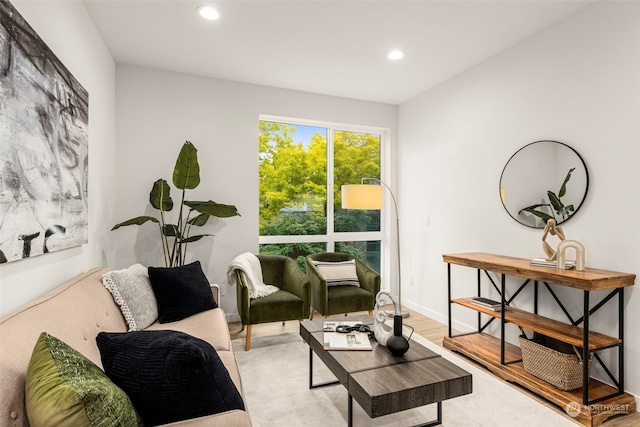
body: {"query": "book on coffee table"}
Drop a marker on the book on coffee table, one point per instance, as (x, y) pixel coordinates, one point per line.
(347, 340)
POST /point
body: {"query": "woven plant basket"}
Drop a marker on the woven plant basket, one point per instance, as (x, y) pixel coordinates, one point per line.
(554, 361)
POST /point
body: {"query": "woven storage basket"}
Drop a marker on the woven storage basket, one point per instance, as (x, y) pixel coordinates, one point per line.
(554, 361)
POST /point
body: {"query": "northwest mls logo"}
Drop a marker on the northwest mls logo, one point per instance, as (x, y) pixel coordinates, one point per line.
(572, 409)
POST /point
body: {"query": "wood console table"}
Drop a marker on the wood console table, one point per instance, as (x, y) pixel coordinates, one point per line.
(595, 401)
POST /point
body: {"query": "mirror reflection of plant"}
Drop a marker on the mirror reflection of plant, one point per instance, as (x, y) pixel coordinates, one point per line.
(555, 204)
(176, 237)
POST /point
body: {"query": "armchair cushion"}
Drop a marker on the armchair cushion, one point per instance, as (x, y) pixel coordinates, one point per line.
(349, 299)
(337, 273)
(279, 306)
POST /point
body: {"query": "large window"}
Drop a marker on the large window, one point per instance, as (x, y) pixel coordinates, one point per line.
(302, 168)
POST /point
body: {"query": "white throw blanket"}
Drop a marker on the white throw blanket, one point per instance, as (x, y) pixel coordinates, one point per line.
(250, 265)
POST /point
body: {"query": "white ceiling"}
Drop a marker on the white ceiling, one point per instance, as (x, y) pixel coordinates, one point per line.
(328, 47)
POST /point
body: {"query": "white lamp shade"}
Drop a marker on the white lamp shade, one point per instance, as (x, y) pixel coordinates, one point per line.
(361, 196)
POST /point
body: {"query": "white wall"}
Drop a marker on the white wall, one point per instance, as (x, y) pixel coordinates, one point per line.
(157, 111)
(68, 30)
(577, 82)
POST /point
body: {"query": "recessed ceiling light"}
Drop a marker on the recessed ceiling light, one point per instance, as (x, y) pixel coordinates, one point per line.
(208, 12)
(394, 55)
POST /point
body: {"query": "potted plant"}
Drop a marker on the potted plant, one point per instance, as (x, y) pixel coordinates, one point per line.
(175, 237)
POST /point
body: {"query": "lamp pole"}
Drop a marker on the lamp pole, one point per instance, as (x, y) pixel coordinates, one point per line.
(390, 313)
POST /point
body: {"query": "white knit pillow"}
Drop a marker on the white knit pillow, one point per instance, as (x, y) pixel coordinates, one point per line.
(338, 272)
(131, 290)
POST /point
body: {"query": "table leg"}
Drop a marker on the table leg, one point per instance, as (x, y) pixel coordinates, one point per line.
(311, 384)
(435, 422)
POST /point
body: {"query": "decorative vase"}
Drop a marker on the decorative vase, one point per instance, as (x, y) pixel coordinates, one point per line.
(385, 335)
(397, 344)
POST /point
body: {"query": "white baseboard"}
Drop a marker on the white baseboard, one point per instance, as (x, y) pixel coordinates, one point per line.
(462, 327)
(232, 317)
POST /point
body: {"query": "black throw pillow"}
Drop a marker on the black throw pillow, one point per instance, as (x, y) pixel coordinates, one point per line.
(180, 291)
(168, 375)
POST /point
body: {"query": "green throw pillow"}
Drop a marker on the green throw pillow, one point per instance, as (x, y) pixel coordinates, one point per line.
(64, 388)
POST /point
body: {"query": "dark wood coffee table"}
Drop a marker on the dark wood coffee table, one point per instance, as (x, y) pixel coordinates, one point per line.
(383, 384)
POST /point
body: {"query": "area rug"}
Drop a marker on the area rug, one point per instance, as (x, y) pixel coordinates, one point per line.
(275, 377)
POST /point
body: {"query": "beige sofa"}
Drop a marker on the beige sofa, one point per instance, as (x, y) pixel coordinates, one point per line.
(75, 313)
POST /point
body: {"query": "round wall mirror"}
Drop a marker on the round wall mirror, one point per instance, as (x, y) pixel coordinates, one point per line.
(544, 180)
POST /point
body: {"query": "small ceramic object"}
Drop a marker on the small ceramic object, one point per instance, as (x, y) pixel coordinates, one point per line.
(554, 230)
(381, 331)
(562, 253)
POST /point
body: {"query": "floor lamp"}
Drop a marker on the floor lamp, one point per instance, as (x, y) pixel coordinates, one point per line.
(369, 197)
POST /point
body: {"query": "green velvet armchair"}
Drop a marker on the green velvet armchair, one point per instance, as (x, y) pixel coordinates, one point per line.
(328, 300)
(291, 302)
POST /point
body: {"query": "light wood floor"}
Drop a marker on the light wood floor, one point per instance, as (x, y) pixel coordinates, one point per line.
(428, 328)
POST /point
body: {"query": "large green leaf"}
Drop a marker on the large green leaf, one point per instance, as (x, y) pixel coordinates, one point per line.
(214, 209)
(193, 238)
(139, 220)
(160, 196)
(529, 208)
(200, 220)
(563, 187)
(532, 210)
(171, 230)
(555, 201)
(186, 173)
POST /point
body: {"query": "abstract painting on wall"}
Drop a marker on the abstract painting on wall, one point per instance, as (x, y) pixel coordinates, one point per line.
(44, 119)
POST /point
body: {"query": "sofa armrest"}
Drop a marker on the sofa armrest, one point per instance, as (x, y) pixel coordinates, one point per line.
(215, 290)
